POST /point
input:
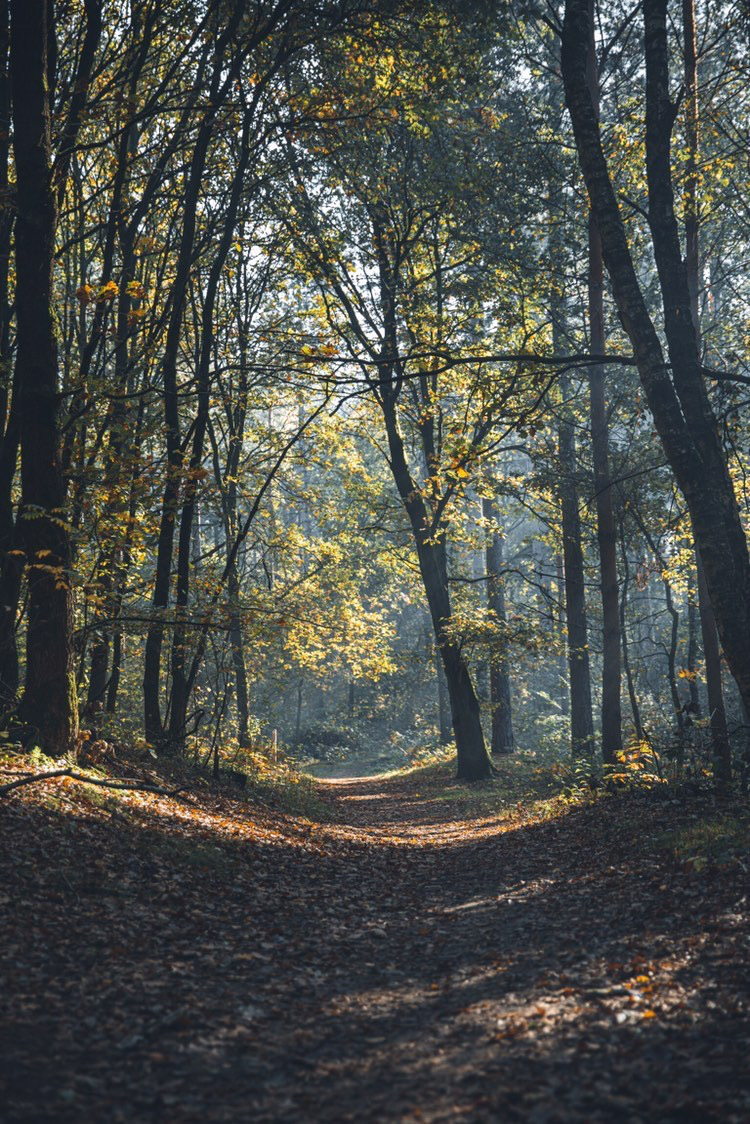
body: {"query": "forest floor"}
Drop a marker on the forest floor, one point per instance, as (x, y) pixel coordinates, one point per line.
(429, 953)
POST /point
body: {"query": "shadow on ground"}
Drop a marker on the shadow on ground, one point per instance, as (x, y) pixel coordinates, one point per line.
(406, 963)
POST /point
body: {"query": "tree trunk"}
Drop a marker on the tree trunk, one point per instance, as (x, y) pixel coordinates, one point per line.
(113, 468)
(676, 393)
(125, 564)
(180, 690)
(574, 582)
(500, 701)
(298, 716)
(712, 667)
(692, 654)
(221, 78)
(444, 716)
(236, 640)
(98, 669)
(579, 672)
(562, 673)
(605, 518)
(671, 652)
(629, 678)
(115, 551)
(11, 566)
(49, 704)
(155, 636)
(711, 654)
(472, 760)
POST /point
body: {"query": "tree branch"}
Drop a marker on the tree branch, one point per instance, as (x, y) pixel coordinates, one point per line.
(142, 786)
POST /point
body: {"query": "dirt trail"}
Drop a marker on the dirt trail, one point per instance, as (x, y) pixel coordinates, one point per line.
(405, 963)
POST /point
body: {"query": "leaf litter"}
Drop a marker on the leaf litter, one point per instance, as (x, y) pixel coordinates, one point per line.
(414, 959)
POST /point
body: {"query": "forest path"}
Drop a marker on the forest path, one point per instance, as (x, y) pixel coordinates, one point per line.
(413, 961)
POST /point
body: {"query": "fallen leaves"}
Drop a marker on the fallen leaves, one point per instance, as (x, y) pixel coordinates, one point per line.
(215, 960)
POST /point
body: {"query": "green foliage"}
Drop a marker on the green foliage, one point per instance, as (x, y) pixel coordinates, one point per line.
(718, 839)
(280, 785)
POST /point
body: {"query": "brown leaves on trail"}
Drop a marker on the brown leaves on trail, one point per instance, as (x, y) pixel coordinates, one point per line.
(215, 961)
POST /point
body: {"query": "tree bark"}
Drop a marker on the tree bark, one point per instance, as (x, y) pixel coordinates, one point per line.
(712, 667)
(503, 741)
(711, 653)
(155, 636)
(629, 678)
(236, 640)
(611, 716)
(579, 671)
(562, 674)
(671, 653)
(444, 716)
(115, 551)
(692, 653)
(49, 703)
(574, 581)
(11, 564)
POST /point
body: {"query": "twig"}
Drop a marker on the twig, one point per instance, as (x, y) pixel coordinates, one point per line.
(142, 786)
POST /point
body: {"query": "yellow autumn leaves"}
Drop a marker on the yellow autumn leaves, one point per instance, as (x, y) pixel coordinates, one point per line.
(88, 294)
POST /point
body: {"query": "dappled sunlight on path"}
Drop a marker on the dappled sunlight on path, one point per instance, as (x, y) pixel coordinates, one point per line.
(427, 955)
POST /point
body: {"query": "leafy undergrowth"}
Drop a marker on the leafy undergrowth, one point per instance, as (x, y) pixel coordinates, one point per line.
(429, 953)
(719, 839)
(280, 784)
(524, 786)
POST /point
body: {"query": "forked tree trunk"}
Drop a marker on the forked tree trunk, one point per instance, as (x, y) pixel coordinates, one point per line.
(221, 77)
(111, 576)
(179, 663)
(574, 581)
(49, 705)
(472, 760)
(676, 394)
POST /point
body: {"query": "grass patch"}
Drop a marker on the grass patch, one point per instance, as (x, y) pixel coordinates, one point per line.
(281, 785)
(719, 839)
(252, 775)
(525, 783)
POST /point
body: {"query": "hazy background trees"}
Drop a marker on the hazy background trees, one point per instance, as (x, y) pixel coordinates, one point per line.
(319, 411)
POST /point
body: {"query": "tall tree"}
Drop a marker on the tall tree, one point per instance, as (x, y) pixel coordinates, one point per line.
(502, 741)
(49, 705)
(711, 653)
(221, 77)
(676, 393)
(606, 533)
(579, 670)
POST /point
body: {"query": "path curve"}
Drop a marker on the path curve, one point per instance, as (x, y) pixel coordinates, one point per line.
(408, 962)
